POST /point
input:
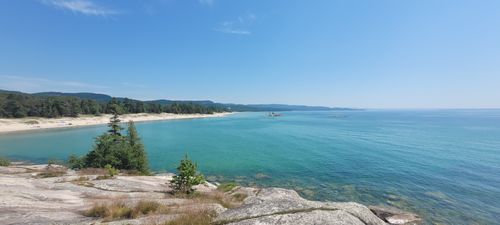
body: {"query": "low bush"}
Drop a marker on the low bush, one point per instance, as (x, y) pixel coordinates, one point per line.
(52, 162)
(111, 171)
(4, 161)
(76, 162)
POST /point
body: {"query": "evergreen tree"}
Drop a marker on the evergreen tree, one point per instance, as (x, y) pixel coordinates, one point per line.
(187, 176)
(120, 152)
(114, 125)
(139, 160)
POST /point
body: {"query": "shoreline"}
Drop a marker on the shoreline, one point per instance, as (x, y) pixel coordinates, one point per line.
(11, 125)
(69, 195)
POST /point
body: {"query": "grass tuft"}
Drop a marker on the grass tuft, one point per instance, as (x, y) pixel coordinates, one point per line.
(51, 171)
(221, 198)
(120, 210)
(193, 217)
(146, 207)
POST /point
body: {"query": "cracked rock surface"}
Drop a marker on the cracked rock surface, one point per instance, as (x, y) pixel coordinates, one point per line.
(26, 198)
(286, 207)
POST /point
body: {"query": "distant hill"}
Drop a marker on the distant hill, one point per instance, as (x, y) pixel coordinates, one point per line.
(15, 104)
(83, 95)
(231, 106)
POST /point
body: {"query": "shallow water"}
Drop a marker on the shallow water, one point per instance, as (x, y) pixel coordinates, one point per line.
(442, 164)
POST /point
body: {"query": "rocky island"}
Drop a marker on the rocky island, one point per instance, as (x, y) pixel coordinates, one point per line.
(53, 194)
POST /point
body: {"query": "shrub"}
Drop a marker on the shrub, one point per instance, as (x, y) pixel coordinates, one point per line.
(187, 176)
(75, 162)
(4, 161)
(111, 171)
(51, 162)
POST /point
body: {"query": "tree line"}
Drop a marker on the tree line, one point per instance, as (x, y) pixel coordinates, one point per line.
(14, 105)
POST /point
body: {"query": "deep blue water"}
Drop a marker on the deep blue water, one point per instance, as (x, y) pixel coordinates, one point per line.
(442, 164)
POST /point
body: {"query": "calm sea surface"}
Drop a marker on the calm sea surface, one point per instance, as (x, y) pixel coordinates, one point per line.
(442, 164)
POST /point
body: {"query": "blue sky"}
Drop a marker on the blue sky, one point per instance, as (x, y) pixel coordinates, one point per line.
(369, 54)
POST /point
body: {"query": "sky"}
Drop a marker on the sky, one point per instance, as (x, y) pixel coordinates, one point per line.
(365, 54)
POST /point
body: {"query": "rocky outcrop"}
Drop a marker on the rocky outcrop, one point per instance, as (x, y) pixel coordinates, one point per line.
(26, 198)
(282, 206)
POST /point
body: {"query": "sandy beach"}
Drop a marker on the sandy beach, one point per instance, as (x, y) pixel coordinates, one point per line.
(36, 123)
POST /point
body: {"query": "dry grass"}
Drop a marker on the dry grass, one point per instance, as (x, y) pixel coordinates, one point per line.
(92, 171)
(146, 207)
(194, 217)
(239, 197)
(52, 171)
(221, 198)
(120, 210)
(83, 181)
(103, 177)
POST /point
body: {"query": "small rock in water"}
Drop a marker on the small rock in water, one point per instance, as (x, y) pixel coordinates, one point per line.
(395, 216)
(406, 219)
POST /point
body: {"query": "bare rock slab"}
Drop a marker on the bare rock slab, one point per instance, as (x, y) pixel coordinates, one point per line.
(283, 206)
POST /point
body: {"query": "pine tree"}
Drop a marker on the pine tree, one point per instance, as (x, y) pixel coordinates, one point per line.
(187, 176)
(114, 125)
(139, 160)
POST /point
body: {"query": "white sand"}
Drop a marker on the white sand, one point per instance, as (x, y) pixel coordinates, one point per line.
(31, 123)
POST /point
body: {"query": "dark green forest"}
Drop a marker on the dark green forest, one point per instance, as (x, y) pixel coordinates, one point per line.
(19, 105)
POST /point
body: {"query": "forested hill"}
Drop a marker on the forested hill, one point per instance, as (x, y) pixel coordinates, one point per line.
(52, 104)
(57, 104)
(228, 106)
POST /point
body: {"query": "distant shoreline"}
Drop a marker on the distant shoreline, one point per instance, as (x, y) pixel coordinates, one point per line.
(8, 125)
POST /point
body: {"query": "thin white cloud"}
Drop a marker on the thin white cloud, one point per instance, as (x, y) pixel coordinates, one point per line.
(207, 2)
(240, 25)
(32, 84)
(85, 7)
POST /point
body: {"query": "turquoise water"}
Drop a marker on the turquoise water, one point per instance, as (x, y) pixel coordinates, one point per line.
(442, 164)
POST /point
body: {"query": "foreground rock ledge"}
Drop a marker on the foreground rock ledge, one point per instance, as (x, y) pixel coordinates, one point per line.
(26, 199)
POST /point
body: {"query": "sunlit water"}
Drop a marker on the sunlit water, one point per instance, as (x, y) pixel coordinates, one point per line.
(442, 164)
